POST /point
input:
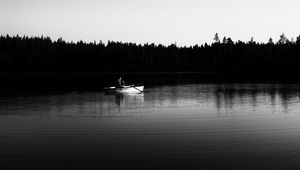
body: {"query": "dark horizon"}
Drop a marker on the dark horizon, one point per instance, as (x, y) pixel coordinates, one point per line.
(43, 55)
(213, 36)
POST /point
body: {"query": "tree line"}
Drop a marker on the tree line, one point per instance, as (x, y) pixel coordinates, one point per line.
(43, 55)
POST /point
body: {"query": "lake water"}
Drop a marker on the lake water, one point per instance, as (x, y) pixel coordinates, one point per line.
(195, 126)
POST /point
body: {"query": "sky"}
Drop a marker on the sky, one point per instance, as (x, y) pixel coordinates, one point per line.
(184, 22)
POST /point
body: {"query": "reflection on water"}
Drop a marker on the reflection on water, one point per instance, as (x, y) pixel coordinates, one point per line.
(129, 99)
(231, 96)
(167, 127)
(222, 97)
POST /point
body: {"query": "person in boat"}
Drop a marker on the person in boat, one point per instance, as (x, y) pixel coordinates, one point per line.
(121, 82)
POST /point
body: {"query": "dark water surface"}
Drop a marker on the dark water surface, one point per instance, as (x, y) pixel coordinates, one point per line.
(193, 126)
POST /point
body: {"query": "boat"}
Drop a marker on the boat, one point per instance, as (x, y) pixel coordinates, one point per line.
(126, 89)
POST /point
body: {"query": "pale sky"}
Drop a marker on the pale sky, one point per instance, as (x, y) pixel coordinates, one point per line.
(186, 22)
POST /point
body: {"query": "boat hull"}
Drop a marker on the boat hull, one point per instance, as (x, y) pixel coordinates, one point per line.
(130, 89)
(125, 89)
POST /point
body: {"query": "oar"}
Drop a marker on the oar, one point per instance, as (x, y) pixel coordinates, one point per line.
(136, 88)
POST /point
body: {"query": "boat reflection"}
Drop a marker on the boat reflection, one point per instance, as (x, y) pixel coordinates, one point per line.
(129, 98)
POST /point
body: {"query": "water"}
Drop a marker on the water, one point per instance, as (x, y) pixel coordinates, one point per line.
(209, 126)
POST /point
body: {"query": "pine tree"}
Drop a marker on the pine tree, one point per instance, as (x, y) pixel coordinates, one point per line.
(216, 38)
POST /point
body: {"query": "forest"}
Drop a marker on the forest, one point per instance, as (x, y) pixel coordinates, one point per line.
(43, 55)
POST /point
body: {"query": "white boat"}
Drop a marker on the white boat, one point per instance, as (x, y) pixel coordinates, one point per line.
(126, 89)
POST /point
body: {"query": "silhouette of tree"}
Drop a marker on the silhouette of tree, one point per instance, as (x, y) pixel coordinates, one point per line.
(252, 41)
(224, 41)
(229, 41)
(41, 54)
(298, 40)
(270, 41)
(283, 39)
(216, 38)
